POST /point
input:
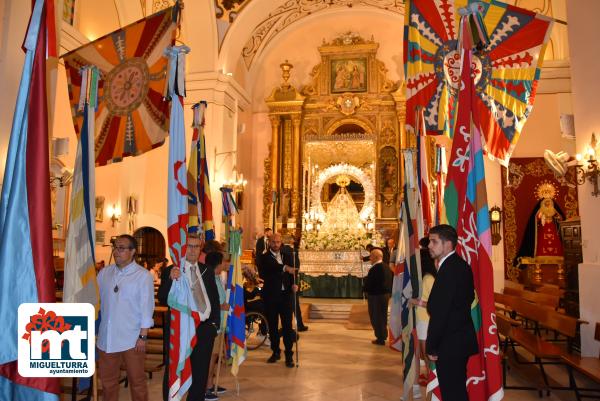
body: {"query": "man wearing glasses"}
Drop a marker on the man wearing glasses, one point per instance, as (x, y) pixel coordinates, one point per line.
(201, 279)
(126, 307)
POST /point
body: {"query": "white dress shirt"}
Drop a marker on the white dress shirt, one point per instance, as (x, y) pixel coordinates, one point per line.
(193, 274)
(126, 311)
(443, 259)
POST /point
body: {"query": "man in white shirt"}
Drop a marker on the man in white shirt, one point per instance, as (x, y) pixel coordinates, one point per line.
(127, 308)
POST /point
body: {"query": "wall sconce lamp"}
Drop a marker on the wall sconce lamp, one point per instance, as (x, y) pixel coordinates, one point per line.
(495, 220)
(114, 213)
(237, 185)
(589, 168)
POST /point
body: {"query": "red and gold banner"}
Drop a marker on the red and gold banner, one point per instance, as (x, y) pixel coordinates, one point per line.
(132, 115)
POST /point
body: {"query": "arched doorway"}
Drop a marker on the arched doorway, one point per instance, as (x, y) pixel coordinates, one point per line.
(151, 244)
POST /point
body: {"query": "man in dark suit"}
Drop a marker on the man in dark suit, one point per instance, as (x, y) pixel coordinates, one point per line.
(262, 244)
(276, 269)
(377, 287)
(389, 252)
(193, 271)
(451, 337)
(291, 247)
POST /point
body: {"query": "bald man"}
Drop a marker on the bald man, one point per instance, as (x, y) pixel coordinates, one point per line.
(276, 269)
(376, 285)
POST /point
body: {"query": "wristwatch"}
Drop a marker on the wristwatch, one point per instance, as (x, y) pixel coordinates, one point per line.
(141, 337)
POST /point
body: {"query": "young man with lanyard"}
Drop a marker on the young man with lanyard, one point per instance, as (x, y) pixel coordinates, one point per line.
(127, 308)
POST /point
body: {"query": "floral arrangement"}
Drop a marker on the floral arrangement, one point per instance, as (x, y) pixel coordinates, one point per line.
(337, 240)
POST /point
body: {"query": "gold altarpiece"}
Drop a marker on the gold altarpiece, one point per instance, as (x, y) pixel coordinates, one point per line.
(349, 112)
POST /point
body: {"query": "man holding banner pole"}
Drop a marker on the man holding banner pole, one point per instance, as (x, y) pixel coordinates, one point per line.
(451, 338)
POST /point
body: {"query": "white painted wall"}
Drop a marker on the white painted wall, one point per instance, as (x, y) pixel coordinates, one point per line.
(585, 58)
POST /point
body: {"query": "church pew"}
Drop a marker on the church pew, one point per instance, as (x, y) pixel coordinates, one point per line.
(550, 289)
(588, 366)
(505, 332)
(535, 297)
(543, 351)
(513, 284)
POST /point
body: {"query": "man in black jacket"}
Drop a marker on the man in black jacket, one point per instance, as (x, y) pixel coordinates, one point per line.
(194, 271)
(451, 337)
(276, 269)
(262, 244)
(291, 247)
(377, 287)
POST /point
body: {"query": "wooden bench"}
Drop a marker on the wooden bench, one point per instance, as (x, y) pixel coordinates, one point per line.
(588, 366)
(535, 297)
(544, 352)
(506, 325)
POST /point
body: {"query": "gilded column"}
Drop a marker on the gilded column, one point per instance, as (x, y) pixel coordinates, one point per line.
(275, 122)
(296, 168)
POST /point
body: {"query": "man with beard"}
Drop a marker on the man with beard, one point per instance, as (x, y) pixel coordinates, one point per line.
(276, 269)
(451, 337)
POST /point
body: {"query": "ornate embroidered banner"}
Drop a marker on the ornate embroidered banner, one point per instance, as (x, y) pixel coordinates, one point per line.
(505, 71)
(132, 115)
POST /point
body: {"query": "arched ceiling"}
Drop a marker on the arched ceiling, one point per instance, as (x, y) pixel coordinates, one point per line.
(246, 31)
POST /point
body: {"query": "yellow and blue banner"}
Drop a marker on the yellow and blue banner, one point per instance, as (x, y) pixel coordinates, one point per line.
(199, 198)
(80, 283)
(236, 321)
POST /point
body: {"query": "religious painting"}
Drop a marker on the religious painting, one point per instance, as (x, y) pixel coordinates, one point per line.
(349, 75)
(531, 223)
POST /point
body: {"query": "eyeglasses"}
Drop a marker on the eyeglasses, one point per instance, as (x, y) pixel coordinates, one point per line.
(121, 248)
(193, 246)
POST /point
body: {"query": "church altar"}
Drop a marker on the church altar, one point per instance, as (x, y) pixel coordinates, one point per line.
(334, 263)
(332, 273)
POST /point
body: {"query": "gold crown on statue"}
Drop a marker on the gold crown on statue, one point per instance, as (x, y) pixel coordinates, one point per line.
(546, 190)
(342, 180)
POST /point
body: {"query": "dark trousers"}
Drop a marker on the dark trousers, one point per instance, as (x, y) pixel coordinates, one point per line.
(166, 347)
(378, 305)
(200, 360)
(280, 307)
(298, 312)
(452, 376)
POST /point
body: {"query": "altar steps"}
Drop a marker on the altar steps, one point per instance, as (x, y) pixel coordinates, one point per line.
(334, 309)
(330, 311)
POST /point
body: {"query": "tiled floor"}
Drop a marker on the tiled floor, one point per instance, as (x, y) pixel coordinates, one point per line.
(337, 364)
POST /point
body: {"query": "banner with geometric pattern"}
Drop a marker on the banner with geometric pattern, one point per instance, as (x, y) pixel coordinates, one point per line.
(132, 115)
(505, 69)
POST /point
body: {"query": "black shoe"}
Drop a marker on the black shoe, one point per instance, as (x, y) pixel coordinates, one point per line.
(378, 342)
(274, 358)
(302, 328)
(289, 363)
(211, 396)
(221, 390)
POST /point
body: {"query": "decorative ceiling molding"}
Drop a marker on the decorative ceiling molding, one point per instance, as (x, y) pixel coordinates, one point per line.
(294, 10)
(228, 10)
